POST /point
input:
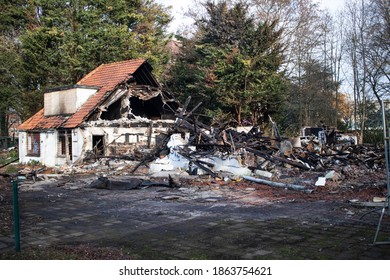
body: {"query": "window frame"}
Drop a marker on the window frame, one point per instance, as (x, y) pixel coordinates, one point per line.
(33, 144)
(64, 137)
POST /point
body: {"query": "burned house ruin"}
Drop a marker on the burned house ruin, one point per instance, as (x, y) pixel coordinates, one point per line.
(114, 110)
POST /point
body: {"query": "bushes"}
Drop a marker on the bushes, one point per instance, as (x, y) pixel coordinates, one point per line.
(373, 136)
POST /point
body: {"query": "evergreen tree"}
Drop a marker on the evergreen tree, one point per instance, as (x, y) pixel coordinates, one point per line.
(12, 21)
(311, 98)
(10, 83)
(235, 60)
(47, 43)
(67, 39)
(13, 17)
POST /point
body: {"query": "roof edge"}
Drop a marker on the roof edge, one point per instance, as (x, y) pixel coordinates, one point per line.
(61, 88)
(112, 63)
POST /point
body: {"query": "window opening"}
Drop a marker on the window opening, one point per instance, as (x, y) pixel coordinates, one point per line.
(34, 144)
(64, 144)
(98, 145)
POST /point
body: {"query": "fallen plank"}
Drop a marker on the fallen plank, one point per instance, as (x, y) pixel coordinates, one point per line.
(4, 165)
(274, 184)
(369, 204)
(276, 158)
(198, 164)
(143, 162)
(106, 183)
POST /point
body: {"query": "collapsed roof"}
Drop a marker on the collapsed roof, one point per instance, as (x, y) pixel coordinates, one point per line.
(125, 89)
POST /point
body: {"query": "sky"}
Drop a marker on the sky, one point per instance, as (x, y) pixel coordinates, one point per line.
(180, 7)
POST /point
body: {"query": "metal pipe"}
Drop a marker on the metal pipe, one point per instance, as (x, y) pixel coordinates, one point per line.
(379, 226)
(16, 215)
(386, 143)
(385, 140)
(388, 175)
(386, 147)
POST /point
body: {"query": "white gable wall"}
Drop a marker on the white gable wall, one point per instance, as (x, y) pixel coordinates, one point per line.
(82, 95)
(49, 148)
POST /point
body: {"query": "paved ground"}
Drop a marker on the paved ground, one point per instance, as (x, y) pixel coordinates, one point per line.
(195, 223)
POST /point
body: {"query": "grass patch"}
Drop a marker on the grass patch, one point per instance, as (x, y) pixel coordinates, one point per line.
(11, 169)
(291, 253)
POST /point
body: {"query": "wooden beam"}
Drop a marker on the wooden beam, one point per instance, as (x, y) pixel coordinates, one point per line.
(274, 184)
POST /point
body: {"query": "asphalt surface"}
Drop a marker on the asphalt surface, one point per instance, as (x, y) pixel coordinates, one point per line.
(195, 223)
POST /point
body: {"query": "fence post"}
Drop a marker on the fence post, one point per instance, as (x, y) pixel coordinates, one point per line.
(16, 214)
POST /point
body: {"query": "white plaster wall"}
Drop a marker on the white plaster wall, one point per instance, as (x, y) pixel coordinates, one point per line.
(82, 141)
(23, 158)
(49, 144)
(66, 101)
(82, 95)
(78, 140)
(60, 102)
(22, 147)
(49, 148)
(117, 135)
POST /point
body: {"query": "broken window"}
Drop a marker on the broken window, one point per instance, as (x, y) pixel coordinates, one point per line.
(98, 145)
(146, 108)
(64, 144)
(151, 109)
(33, 144)
(113, 111)
(133, 101)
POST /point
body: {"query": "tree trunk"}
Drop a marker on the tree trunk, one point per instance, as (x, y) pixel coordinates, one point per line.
(238, 112)
(364, 61)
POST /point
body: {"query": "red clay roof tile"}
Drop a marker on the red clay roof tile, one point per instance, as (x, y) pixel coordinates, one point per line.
(106, 76)
(39, 121)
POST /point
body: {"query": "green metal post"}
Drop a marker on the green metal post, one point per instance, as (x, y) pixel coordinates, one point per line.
(386, 136)
(16, 215)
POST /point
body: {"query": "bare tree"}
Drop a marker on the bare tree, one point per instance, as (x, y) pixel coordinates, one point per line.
(333, 49)
(300, 21)
(378, 55)
(356, 43)
(368, 46)
(304, 32)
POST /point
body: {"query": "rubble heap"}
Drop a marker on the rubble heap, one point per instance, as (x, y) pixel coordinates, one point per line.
(226, 153)
(222, 152)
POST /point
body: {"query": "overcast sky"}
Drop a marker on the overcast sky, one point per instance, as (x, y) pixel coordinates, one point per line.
(180, 7)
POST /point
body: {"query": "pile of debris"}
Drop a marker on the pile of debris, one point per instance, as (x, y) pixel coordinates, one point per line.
(223, 153)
